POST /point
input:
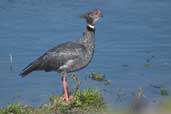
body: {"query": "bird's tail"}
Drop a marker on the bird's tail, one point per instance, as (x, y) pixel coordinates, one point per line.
(28, 69)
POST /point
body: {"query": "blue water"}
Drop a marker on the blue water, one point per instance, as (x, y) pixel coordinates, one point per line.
(133, 46)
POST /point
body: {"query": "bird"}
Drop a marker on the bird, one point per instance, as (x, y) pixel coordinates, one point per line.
(69, 56)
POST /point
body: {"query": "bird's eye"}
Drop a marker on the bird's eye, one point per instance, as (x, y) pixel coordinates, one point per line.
(96, 13)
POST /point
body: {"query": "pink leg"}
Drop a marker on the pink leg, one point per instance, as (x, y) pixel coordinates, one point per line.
(66, 92)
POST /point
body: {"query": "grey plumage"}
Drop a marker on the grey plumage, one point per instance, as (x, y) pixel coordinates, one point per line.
(70, 56)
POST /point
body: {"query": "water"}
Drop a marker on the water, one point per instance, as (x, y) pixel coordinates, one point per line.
(133, 43)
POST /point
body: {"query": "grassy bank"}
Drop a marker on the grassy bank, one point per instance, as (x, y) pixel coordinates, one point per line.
(88, 101)
(85, 102)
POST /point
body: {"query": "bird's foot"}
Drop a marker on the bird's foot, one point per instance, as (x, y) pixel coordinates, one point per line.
(67, 99)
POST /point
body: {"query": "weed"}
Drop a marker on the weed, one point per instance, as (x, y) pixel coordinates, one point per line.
(97, 76)
(163, 92)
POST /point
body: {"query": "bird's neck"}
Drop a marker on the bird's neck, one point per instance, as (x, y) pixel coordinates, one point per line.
(88, 38)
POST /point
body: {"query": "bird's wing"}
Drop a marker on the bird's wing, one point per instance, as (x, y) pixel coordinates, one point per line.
(62, 54)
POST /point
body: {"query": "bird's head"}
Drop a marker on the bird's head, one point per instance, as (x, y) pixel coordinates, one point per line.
(92, 16)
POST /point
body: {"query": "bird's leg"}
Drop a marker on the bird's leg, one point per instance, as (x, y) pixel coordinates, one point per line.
(65, 86)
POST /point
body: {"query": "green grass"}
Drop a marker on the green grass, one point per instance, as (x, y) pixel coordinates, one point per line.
(16, 109)
(89, 98)
(85, 102)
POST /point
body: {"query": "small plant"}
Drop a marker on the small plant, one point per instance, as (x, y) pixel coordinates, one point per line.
(14, 109)
(89, 98)
(97, 76)
(164, 92)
